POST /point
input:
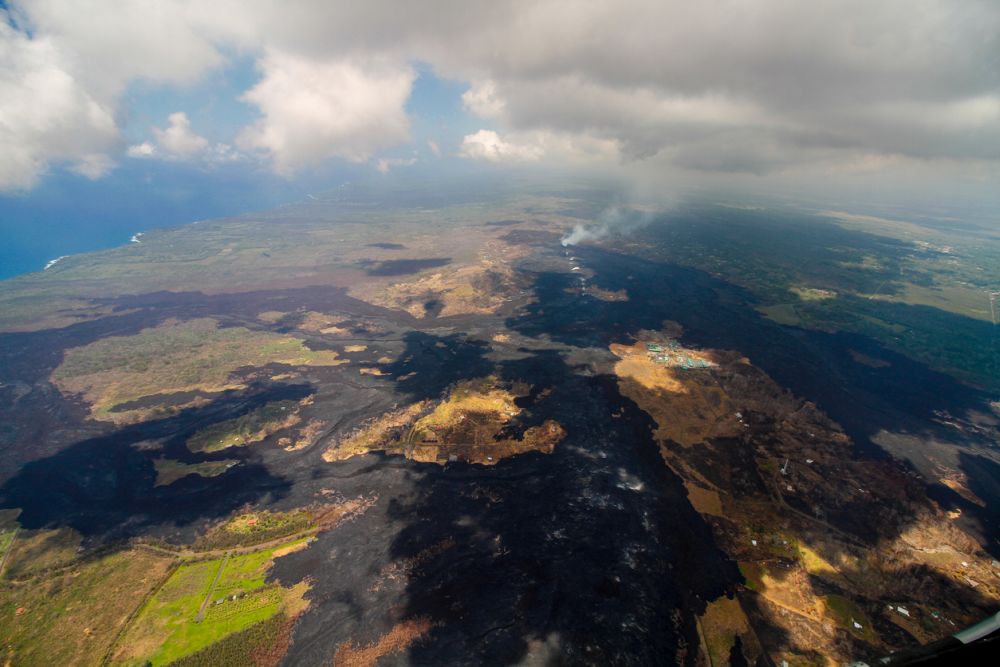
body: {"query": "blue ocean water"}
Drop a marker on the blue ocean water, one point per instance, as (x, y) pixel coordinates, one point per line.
(67, 214)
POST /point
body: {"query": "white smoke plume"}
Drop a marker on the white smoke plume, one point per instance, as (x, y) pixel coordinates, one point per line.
(617, 219)
(581, 233)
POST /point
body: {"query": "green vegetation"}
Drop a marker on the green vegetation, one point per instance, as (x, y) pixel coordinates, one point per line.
(964, 347)
(195, 355)
(252, 427)
(484, 398)
(145, 605)
(916, 289)
(782, 313)
(957, 299)
(241, 254)
(753, 574)
(36, 551)
(813, 293)
(721, 624)
(255, 528)
(6, 540)
(72, 618)
(169, 471)
(204, 602)
(849, 616)
(8, 531)
(243, 647)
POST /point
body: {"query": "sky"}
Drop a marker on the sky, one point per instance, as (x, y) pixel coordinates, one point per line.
(121, 115)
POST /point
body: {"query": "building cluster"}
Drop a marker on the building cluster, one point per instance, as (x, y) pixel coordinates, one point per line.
(673, 355)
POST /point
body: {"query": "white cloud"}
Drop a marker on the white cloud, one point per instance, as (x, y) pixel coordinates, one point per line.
(46, 115)
(178, 140)
(532, 146)
(482, 100)
(145, 149)
(433, 145)
(385, 164)
(112, 43)
(314, 110)
(93, 166)
(64, 65)
(487, 145)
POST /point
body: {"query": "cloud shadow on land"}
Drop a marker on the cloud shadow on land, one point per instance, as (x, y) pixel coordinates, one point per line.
(105, 487)
(402, 267)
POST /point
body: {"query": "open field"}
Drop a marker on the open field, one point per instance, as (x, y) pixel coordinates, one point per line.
(249, 528)
(954, 298)
(688, 405)
(72, 618)
(916, 289)
(262, 645)
(813, 293)
(34, 551)
(196, 355)
(486, 406)
(599, 293)
(294, 245)
(246, 429)
(9, 529)
(203, 602)
(479, 286)
(169, 471)
(720, 626)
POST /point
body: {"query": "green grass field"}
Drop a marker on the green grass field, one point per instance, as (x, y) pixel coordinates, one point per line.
(169, 471)
(245, 429)
(35, 551)
(72, 618)
(849, 616)
(174, 357)
(255, 528)
(235, 597)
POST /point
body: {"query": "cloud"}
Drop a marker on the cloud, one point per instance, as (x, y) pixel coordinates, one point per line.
(93, 166)
(385, 164)
(315, 110)
(716, 87)
(482, 100)
(177, 140)
(533, 146)
(46, 114)
(64, 65)
(145, 149)
(487, 145)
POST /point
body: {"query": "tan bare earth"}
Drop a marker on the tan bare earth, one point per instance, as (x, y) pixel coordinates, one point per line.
(378, 433)
(688, 405)
(398, 639)
(465, 426)
(480, 286)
